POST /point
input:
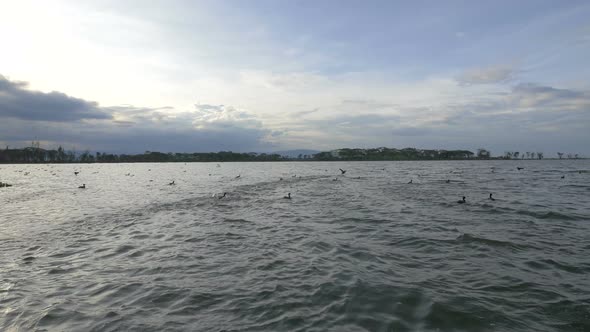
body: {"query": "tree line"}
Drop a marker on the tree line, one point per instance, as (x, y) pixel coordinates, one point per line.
(39, 155)
(537, 155)
(36, 154)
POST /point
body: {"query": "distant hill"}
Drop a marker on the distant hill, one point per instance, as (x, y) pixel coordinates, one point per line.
(296, 153)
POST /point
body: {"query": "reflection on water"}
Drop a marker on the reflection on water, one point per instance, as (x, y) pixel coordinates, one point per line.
(367, 252)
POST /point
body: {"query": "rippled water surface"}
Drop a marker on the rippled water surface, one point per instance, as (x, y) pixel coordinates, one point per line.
(363, 251)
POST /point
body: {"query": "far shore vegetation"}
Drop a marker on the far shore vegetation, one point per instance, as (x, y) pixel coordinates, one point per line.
(36, 154)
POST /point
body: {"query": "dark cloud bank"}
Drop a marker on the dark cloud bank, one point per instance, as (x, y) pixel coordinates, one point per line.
(58, 119)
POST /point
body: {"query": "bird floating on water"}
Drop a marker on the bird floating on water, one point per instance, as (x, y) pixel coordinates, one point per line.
(448, 181)
(411, 180)
(491, 198)
(288, 196)
(462, 200)
(563, 176)
(220, 197)
(342, 171)
(82, 186)
(171, 183)
(519, 168)
(237, 177)
(76, 173)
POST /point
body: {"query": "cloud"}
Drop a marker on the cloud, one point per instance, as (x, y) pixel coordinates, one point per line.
(487, 75)
(529, 95)
(62, 120)
(17, 101)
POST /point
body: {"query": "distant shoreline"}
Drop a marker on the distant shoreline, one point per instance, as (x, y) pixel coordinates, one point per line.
(278, 161)
(36, 155)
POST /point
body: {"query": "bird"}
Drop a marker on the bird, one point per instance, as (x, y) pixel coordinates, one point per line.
(82, 186)
(280, 179)
(563, 176)
(448, 181)
(411, 180)
(220, 197)
(462, 200)
(491, 198)
(335, 179)
(171, 183)
(288, 196)
(76, 173)
(237, 177)
(342, 171)
(519, 168)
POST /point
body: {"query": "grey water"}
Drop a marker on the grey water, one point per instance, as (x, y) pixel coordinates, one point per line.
(361, 251)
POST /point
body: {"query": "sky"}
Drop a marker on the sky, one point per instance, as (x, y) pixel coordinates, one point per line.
(197, 76)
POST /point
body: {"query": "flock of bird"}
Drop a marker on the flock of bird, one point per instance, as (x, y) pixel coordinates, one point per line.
(288, 196)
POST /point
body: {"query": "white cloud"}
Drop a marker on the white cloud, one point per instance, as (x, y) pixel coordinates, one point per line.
(487, 75)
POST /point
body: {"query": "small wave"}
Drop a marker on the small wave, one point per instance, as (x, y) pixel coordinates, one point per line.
(468, 238)
(547, 215)
(546, 264)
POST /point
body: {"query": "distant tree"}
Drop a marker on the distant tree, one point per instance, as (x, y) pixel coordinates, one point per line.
(515, 154)
(576, 156)
(560, 155)
(507, 155)
(483, 153)
(540, 155)
(532, 155)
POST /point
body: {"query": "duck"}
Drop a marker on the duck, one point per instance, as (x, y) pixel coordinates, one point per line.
(491, 198)
(519, 168)
(288, 196)
(411, 180)
(171, 183)
(76, 173)
(82, 186)
(462, 201)
(222, 196)
(448, 181)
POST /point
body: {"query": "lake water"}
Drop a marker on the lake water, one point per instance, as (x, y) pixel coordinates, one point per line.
(364, 252)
